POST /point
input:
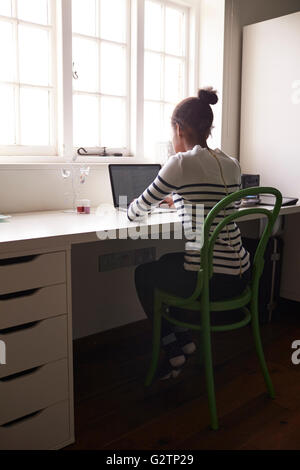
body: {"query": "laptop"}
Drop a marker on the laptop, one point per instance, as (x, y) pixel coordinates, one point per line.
(129, 181)
(270, 200)
(250, 181)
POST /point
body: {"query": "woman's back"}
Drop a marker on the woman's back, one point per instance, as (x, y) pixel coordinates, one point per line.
(197, 184)
(202, 184)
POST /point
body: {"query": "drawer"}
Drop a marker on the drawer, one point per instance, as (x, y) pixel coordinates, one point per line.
(33, 390)
(44, 430)
(33, 305)
(30, 272)
(35, 344)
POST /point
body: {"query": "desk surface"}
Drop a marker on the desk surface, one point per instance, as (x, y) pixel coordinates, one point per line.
(77, 227)
(82, 227)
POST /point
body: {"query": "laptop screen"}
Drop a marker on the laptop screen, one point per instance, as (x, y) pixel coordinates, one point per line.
(131, 181)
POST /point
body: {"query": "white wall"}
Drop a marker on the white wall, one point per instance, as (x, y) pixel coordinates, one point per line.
(270, 122)
(239, 13)
(270, 116)
(32, 188)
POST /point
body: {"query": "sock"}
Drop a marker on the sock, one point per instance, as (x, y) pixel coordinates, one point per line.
(166, 371)
(185, 340)
(173, 350)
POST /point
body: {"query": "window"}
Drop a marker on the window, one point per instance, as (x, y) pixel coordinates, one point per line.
(166, 68)
(93, 73)
(101, 57)
(27, 77)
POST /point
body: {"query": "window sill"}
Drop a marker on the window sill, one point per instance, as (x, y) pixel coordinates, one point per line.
(33, 163)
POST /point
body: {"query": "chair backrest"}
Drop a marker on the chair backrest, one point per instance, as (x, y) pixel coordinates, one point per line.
(210, 237)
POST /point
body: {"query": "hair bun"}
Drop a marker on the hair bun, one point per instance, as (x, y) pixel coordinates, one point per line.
(208, 95)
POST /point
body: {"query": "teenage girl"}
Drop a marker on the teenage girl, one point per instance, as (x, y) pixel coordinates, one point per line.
(195, 175)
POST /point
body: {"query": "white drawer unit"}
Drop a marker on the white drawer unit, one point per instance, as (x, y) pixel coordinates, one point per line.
(36, 380)
(33, 390)
(30, 272)
(32, 305)
(32, 345)
(48, 428)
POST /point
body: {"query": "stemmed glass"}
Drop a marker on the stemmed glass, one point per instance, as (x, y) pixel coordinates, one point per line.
(77, 179)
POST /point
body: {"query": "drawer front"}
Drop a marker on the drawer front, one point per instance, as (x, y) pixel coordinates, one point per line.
(33, 390)
(32, 346)
(19, 274)
(30, 306)
(44, 430)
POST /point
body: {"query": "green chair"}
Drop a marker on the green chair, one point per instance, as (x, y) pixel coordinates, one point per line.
(199, 301)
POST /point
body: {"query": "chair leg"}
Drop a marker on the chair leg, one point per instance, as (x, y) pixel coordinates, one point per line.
(259, 350)
(209, 376)
(200, 352)
(155, 345)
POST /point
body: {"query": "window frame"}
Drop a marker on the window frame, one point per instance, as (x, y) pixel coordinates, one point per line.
(127, 97)
(185, 58)
(18, 150)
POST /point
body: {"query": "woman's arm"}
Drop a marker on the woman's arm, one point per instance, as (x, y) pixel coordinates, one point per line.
(164, 184)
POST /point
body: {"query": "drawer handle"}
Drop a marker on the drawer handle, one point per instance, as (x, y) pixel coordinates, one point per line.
(16, 295)
(20, 259)
(14, 329)
(9, 378)
(19, 420)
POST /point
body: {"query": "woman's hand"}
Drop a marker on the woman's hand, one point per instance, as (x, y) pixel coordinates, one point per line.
(168, 200)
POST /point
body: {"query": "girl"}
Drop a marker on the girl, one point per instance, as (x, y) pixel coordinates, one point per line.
(195, 175)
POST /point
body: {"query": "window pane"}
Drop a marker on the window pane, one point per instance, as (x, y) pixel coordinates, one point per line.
(153, 26)
(85, 56)
(5, 7)
(175, 31)
(152, 127)
(86, 121)
(174, 79)
(153, 76)
(84, 16)
(7, 53)
(7, 115)
(34, 117)
(35, 11)
(113, 69)
(113, 122)
(167, 130)
(113, 20)
(34, 56)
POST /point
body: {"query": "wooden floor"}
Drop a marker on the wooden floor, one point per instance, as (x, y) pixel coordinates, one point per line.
(114, 411)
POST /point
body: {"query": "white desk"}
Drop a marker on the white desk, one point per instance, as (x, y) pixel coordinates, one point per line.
(36, 326)
(27, 230)
(32, 228)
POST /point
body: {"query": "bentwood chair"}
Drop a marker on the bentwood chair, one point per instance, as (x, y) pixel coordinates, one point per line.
(199, 301)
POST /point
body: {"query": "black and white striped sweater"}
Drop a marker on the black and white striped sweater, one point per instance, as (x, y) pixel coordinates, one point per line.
(193, 178)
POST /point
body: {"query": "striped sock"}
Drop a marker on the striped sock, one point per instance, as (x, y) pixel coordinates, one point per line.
(185, 340)
(173, 350)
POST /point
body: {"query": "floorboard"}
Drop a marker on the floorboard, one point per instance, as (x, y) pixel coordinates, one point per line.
(113, 409)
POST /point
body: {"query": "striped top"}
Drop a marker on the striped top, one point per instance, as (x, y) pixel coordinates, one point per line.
(193, 178)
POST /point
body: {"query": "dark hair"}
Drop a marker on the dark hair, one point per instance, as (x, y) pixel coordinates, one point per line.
(195, 113)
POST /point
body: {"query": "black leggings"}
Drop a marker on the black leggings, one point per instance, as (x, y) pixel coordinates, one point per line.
(169, 275)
